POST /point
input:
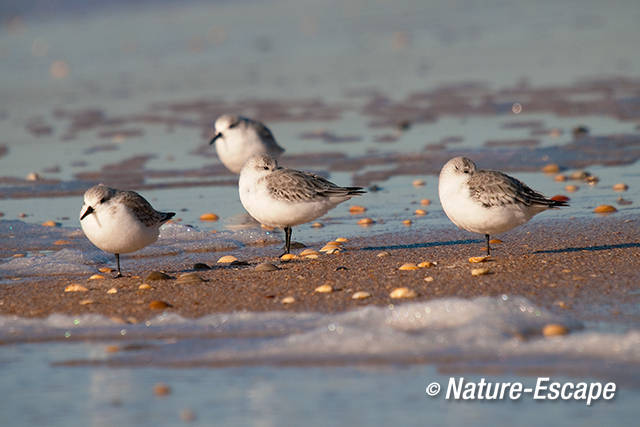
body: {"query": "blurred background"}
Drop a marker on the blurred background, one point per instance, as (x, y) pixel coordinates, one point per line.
(126, 92)
(63, 51)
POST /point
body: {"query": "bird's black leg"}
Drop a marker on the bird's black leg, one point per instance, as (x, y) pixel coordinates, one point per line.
(287, 240)
(118, 265)
(488, 247)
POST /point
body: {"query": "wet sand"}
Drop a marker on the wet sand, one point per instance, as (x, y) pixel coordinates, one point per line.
(588, 268)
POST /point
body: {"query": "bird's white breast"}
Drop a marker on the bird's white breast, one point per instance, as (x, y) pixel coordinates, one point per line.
(471, 215)
(273, 212)
(115, 229)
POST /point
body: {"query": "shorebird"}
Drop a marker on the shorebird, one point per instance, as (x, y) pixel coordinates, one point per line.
(485, 201)
(119, 221)
(238, 138)
(280, 197)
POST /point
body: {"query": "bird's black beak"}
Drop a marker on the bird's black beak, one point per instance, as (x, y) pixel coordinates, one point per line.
(218, 135)
(89, 211)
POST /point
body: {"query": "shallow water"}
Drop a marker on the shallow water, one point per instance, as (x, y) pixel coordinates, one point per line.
(505, 83)
(363, 366)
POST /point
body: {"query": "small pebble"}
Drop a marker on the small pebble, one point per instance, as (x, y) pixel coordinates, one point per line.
(561, 304)
(112, 349)
(425, 202)
(551, 168)
(592, 180)
(408, 266)
(480, 271)
(360, 295)
(18, 256)
(579, 175)
(426, 264)
(157, 275)
(495, 241)
(419, 183)
(328, 247)
(96, 277)
(324, 289)
(580, 131)
(187, 415)
(265, 266)
(209, 217)
(288, 300)
(332, 250)
(189, 279)
(420, 212)
(407, 222)
(554, 329)
(312, 256)
(75, 287)
(227, 259)
(50, 224)
(308, 252)
(365, 221)
(32, 176)
(560, 178)
(623, 202)
(201, 266)
(287, 257)
(477, 259)
(86, 302)
(342, 240)
(105, 270)
(428, 279)
(555, 133)
(382, 254)
(621, 186)
(161, 389)
(144, 287)
(61, 242)
(317, 225)
(403, 293)
(403, 125)
(572, 188)
(158, 305)
(112, 291)
(266, 227)
(605, 209)
(357, 209)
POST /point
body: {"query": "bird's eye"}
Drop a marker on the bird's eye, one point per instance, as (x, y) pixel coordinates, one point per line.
(104, 199)
(466, 171)
(266, 168)
(232, 125)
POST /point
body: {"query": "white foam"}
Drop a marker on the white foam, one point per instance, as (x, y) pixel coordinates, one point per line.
(457, 329)
(175, 239)
(65, 261)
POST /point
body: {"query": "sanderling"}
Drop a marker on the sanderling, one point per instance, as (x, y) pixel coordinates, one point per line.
(119, 221)
(238, 138)
(280, 197)
(485, 201)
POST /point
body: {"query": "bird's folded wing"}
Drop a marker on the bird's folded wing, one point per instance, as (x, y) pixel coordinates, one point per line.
(493, 188)
(298, 186)
(142, 209)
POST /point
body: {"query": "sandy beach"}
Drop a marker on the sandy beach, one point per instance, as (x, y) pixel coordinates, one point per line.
(589, 268)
